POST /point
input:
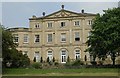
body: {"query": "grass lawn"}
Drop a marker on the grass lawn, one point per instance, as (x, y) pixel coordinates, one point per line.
(62, 72)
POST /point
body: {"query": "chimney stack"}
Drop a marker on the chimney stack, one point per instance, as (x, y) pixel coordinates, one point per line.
(43, 13)
(82, 10)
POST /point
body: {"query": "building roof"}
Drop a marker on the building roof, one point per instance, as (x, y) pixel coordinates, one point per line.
(71, 14)
(18, 29)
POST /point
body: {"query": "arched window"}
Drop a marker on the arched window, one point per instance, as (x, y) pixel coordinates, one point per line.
(77, 54)
(50, 55)
(63, 56)
(37, 56)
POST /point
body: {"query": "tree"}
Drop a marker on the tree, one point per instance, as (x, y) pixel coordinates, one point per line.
(18, 59)
(7, 46)
(11, 56)
(24, 60)
(105, 35)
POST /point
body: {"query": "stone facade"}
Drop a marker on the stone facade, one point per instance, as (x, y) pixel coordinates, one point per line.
(59, 35)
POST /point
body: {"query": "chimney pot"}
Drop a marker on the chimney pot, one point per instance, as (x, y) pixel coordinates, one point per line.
(82, 10)
(43, 13)
(62, 6)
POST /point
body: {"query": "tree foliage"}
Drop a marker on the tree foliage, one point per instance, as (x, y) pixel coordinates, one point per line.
(105, 34)
(11, 56)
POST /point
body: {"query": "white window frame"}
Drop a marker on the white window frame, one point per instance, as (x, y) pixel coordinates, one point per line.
(37, 56)
(76, 23)
(63, 56)
(26, 38)
(77, 35)
(62, 24)
(89, 22)
(77, 54)
(37, 25)
(63, 37)
(49, 38)
(50, 55)
(37, 39)
(15, 38)
(49, 25)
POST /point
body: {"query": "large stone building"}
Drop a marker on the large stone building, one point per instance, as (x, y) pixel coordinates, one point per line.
(59, 35)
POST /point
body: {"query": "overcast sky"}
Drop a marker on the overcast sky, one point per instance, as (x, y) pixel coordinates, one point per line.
(17, 14)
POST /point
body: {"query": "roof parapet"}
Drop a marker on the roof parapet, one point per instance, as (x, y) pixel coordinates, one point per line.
(33, 16)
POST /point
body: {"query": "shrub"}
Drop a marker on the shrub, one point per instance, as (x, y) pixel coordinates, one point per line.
(68, 64)
(56, 63)
(50, 63)
(77, 63)
(36, 65)
(93, 62)
(100, 62)
(25, 61)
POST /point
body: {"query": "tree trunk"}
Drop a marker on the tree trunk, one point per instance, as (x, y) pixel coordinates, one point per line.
(113, 58)
(114, 62)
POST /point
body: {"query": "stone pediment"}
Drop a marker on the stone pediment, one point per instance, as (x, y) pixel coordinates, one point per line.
(62, 13)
